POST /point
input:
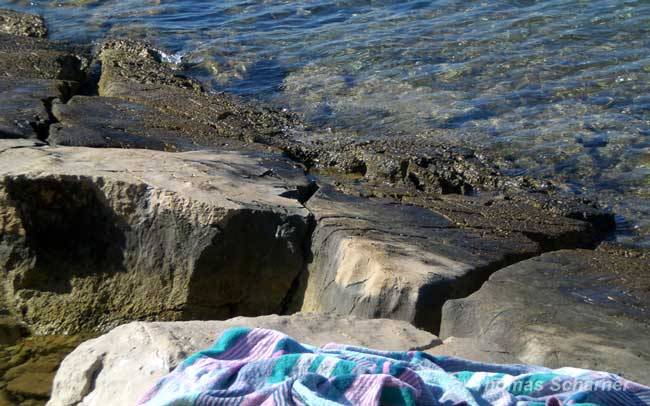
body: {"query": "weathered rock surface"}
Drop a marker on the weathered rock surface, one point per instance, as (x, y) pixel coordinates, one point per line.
(377, 258)
(134, 72)
(117, 368)
(581, 308)
(33, 72)
(22, 24)
(109, 122)
(39, 58)
(94, 237)
(24, 106)
(474, 350)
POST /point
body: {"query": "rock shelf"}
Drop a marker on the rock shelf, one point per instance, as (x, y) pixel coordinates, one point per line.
(128, 192)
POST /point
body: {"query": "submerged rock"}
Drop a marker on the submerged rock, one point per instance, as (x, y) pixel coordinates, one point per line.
(582, 308)
(118, 367)
(95, 237)
(22, 24)
(27, 368)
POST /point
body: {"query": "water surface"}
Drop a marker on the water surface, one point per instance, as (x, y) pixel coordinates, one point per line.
(561, 88)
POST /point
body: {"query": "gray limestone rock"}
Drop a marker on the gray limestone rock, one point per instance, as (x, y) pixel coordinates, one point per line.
(578, 308)
(95, 237)
(118, 367)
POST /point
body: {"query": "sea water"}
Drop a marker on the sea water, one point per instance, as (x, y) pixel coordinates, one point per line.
(561, 88)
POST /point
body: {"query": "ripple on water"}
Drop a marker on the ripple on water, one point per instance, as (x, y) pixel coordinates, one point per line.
(561, 88)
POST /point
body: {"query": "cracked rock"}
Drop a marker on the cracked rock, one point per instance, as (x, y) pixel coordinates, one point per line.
(377, 258)
(95, 237)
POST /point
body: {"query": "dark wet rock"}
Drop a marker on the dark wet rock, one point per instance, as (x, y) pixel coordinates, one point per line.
(409, 162)
(39, 58)
(95, 237)
(422, 172)
(529, 214)
(412, 167)
(377, 258)
(134, 72)
(11, 329)
(111, 123)
(24, 106)
(581, 308)
(22, 24)
(33, 73)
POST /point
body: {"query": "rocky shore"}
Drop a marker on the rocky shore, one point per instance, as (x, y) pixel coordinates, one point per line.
(130, 193)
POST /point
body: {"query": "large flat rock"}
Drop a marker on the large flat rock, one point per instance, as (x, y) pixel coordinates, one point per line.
(581, 308)
(377, 258)
(118, 367)
(95, 237)
(110, 122)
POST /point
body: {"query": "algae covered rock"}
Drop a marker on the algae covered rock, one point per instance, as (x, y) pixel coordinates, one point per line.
(27, 368)
(135, 72)
(22, 24)
(95, 237)
(40, 58)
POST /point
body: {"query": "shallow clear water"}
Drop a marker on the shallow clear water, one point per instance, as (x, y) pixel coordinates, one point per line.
(559, 87)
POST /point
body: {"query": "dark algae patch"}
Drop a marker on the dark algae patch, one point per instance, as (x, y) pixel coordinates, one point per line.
(27, 367)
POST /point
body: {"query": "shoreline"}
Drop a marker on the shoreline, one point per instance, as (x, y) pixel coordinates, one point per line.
(130, 203)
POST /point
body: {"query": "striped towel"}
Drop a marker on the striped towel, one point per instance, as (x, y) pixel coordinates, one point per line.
(265, 367)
